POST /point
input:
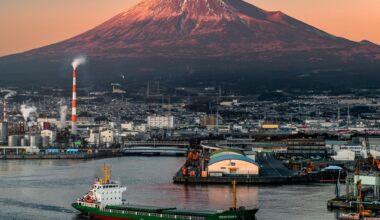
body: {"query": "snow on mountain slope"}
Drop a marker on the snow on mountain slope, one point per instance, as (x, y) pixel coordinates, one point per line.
(201, 28)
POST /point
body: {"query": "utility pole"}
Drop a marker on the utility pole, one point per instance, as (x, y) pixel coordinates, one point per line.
(169, 106)
(348, 116)
(220, 92)
(147, 89)
(338, 117)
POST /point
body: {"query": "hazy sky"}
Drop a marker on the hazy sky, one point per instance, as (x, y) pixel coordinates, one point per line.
(27, 24)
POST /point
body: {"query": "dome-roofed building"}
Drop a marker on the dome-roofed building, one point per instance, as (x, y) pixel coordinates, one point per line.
(231, 162)
(225, 151)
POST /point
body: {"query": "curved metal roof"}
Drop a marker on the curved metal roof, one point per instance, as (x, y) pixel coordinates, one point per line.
(226, 150)
(232, 157)
(224, 153)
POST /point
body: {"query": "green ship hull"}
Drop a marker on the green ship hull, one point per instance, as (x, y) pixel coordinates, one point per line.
(131, 212)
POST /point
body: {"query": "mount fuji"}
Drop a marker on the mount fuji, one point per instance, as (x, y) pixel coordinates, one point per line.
(187, 40)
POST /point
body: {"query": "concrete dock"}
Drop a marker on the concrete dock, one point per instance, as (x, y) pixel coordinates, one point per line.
(272, 171)
(343, 204)
(247, 180)
(80, 156)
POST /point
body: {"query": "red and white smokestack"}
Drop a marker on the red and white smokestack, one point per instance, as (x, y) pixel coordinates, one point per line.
(5, 110)
(74, 105)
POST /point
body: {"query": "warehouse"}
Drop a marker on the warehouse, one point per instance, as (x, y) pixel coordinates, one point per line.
(231, 163)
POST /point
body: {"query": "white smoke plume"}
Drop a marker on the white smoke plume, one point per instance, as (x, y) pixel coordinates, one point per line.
(9, 94)
(62, 115)
(27, 111)
(78, 61)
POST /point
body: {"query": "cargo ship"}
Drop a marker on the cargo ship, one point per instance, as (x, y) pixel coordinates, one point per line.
(104, 201)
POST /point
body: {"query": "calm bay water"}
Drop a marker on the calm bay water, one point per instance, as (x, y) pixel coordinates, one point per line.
(45, 190)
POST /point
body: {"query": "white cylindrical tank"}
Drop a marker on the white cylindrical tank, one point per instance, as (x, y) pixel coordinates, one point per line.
(13, 140)
(27, 139)
(23, 142)
(35, 140)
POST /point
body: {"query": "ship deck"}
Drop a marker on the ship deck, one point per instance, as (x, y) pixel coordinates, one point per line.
(164, 210)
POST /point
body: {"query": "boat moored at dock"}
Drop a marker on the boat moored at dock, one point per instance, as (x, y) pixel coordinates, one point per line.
(104, 201)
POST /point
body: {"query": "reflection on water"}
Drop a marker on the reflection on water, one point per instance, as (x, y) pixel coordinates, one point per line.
(45, 189)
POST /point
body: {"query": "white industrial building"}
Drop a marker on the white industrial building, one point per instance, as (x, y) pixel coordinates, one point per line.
(94, 137)
(127, 126)
(161, 121)
(107, 137)
(359, 150)
(52, 135)
(344, 155)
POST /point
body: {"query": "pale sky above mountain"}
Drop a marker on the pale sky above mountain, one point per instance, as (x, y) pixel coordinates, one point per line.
(28, 24)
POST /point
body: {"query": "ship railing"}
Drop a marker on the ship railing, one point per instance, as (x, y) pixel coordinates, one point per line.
(185, 217)
(92, 205)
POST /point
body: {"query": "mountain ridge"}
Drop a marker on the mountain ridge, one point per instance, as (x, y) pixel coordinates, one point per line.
(202, 36)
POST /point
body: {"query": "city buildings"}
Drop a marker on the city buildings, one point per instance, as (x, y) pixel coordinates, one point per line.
(160, 121)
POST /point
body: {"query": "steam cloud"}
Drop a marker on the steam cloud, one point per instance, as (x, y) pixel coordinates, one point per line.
(78, 61)
(9, 94)
(27, 111)
(62, 114)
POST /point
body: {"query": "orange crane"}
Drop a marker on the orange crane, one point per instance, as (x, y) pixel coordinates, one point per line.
(309, 167)
(375, 163)
(361, 211)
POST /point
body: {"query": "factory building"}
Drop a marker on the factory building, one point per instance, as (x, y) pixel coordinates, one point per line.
(208, 120)
(127, 126)
(344, 155)
(161, 121)
(107, 137)
(51, 121)
(48, 136)
(306, 147)
(118, 89)
(94, 138)
(270, 126)
(231, 162)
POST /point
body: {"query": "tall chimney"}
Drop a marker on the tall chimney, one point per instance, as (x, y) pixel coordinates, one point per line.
(5, 110)
(74, 105)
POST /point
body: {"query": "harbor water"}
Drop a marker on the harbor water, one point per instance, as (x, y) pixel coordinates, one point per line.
(45, 189)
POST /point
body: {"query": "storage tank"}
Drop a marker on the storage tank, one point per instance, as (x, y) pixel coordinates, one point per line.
(13, 140)
(27, 139)
(22, 142)
(35, 140)
(3, 132)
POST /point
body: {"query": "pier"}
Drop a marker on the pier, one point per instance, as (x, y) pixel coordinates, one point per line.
(155, 148)
(154, 151)
(179, 144)
(272, 171)
(246, 180)
(62, 156)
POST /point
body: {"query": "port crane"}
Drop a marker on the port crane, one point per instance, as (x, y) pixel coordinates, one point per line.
(373, 161)
(361, 211)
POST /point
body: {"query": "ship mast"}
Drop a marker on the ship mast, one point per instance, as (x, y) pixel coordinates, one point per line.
(106, 174)
(234, 194)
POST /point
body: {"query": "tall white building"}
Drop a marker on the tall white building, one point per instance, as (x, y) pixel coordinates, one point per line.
(161, 121)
